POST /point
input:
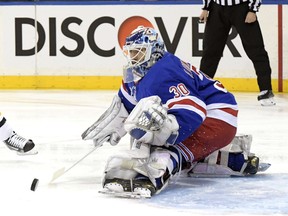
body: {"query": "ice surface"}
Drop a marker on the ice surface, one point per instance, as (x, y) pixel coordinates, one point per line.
(55, 120)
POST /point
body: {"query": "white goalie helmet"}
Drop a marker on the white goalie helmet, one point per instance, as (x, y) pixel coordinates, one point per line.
(142, 49)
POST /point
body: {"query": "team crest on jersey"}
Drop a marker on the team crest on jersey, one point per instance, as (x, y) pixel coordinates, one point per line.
(133, 91)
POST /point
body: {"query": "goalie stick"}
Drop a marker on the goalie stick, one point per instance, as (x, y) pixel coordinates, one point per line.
(63, 170)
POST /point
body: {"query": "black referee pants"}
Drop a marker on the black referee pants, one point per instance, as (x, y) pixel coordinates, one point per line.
(218, 26)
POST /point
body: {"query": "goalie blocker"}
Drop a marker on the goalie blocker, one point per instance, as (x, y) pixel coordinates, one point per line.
(110, 124)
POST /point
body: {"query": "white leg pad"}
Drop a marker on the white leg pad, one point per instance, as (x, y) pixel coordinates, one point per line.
(212, 170)
(129, 163)
(120, 167)
(240, 144)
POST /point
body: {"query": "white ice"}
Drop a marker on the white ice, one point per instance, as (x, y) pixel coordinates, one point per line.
(55, 121)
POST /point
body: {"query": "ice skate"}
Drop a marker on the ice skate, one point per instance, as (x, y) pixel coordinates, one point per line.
(266, 98)
(20, 144)
(252, 165)
(133, 188)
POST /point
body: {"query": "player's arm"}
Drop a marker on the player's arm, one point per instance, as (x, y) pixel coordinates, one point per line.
(124, 94)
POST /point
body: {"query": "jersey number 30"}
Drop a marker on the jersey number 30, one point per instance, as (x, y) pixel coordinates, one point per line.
(179, 90)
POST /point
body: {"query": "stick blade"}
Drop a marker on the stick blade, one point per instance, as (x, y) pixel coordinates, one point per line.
(57, 174)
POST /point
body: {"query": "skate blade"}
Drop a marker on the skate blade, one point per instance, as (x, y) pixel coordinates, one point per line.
(263, 167)
(130, 195)
(268, 102)
(27, 153)
(205, 175)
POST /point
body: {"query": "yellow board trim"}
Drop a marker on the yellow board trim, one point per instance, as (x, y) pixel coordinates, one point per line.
(247, 84)
(111, 83)
(60, 82)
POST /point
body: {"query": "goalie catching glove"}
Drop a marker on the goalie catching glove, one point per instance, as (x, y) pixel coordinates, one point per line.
(150, 123)
(110, 124)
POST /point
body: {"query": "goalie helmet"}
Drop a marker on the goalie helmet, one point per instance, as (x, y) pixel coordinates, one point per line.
(142, 49)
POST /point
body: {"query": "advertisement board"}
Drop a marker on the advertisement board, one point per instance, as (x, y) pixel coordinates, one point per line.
(82, 43)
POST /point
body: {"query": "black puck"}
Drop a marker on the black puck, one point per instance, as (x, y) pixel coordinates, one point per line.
(34, 184)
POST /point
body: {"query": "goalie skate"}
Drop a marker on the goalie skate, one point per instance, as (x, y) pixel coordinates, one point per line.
(128, 188)
(131, 195)
(263, 167)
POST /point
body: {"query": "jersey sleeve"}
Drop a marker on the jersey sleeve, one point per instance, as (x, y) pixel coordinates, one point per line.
(206, 4)
(190, 112)
(254, 5)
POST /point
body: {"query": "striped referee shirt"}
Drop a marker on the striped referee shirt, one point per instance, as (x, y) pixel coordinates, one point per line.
(253, 4)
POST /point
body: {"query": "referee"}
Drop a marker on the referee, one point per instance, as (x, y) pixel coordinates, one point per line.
(220, 16)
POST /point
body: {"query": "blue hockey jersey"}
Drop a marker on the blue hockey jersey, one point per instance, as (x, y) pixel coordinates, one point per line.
(188, 94)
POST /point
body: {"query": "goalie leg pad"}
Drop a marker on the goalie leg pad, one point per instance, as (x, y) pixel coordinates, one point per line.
(240, 143)
(234, 159)
(161, 166)
(145, 174)
(126, 164)
(120, 167)
(120, 176)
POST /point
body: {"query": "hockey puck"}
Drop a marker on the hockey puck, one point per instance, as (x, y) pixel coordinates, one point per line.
(34, 184)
